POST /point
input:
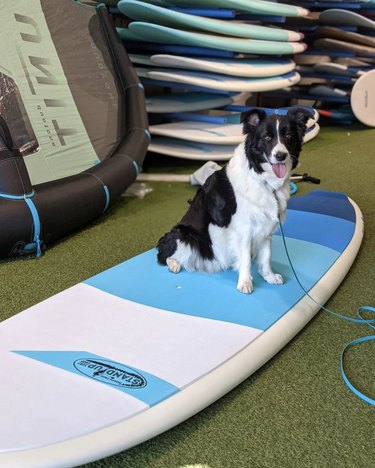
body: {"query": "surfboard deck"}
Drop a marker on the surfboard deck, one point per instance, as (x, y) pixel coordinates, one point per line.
(337, 16)
(142, 11)
(350, 47)
(135, 350)
(244, 67)
(185, 102)
(229, 133)
(148, 32)
(362, 99)
(216, 81)
(255, 6)
(200, 151)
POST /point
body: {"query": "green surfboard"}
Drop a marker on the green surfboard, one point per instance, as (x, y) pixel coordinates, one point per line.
(147, 32)
(252, 6)
(141, 11)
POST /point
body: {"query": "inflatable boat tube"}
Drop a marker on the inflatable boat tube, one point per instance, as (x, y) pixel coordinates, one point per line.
(38, 204)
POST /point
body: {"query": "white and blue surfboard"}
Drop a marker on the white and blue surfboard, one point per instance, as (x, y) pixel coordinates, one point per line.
(135, 350)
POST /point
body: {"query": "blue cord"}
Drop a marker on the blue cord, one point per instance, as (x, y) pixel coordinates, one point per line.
(293, 188)
(360, 320)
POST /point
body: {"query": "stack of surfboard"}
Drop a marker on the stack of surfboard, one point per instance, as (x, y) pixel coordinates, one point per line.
(338, 68)
(207, 58)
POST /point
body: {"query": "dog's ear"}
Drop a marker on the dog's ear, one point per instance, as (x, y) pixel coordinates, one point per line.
(251, 119)
(300, 116)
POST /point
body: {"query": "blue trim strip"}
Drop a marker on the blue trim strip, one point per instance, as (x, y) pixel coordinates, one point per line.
(17, 197)
(136, 167)
(107, 197)
(37, 227)
(139, 384)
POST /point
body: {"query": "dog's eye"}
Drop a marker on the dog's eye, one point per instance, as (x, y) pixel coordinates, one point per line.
(288, 136)
(267, 137)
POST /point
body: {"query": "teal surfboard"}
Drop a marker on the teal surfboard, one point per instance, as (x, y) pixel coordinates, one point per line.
(253, 6)
(147, 32)
(244, 67)
(135, 350)
(141, 11)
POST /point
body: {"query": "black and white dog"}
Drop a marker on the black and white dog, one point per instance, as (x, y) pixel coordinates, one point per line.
(232, 217)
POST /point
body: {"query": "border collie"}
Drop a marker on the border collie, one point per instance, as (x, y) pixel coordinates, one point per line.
(233, 215)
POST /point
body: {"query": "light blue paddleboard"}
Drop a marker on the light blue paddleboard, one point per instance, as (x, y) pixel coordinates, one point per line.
(141, 11)
(228, 133)
(147, 32)
(220, 127)
(220, 82)
(210, 144)
(194, 150)
(244, 67)
(185, 102)
(136, 350)
(253, 6)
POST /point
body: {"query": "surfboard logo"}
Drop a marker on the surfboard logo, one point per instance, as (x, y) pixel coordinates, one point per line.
(110, 372)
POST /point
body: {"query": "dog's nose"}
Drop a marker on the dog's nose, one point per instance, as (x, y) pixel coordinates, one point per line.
(281, 156)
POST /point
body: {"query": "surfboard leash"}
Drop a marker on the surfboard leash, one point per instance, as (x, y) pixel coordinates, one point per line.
(360, 320)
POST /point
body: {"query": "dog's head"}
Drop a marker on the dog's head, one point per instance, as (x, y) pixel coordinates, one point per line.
(273, 142)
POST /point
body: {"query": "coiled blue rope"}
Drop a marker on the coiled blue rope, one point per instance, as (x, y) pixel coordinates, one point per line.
(360, 320)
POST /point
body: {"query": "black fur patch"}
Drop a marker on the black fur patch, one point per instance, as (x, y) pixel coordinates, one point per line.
(213, 203)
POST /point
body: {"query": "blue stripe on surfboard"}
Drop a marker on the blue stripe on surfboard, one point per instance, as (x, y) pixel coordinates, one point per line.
(137, 383)
(215, 296)
(328, 203)
(331, 232)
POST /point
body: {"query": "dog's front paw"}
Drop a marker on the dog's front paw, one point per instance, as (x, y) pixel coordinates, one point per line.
(173, 265)
(245, 287)
(274, 278)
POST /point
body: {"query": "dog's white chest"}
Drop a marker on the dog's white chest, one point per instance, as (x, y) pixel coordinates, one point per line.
(256, 217)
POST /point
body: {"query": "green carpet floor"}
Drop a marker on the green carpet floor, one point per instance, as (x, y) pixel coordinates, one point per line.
(295, 411)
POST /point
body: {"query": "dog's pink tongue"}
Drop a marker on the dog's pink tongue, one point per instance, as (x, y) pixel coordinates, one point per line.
(279, 170)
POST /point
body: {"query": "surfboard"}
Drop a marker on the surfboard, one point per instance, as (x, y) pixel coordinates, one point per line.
(194, 150)
(245, 67)
(147, 32)
(209, 134)
(346, 36)
(337, 16)
(136, 350)
(336, 45)
(255, 6)
(229, 133)
(185, 102)
(339, 69)
(141, 11)
(362, 99)
(217, 81)
(180, 147)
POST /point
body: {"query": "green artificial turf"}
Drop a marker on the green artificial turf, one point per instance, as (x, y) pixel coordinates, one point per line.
(295, 411)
